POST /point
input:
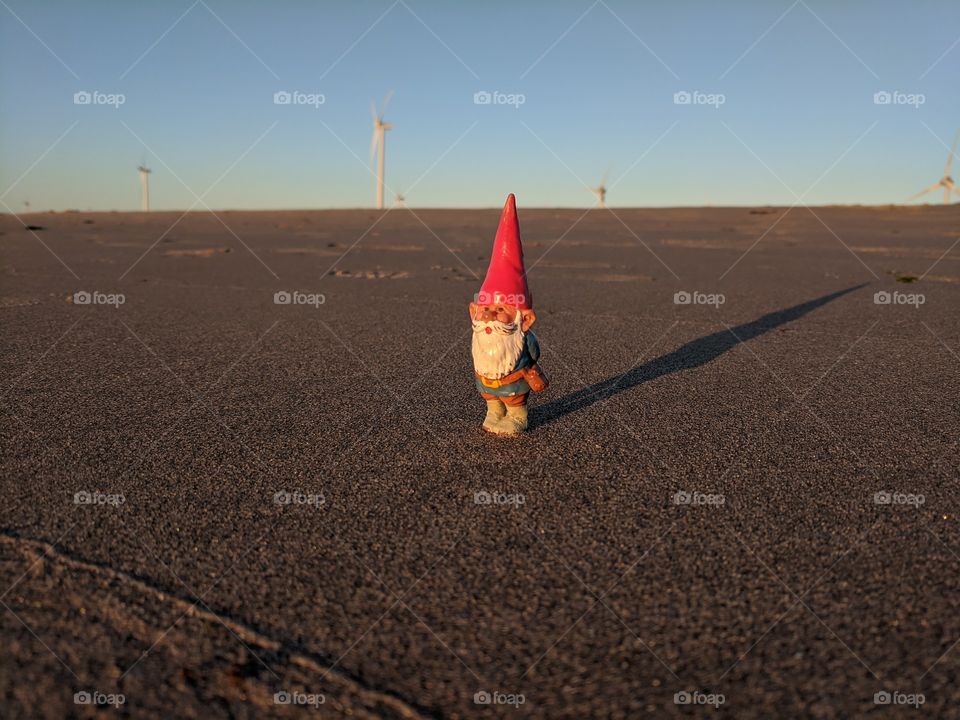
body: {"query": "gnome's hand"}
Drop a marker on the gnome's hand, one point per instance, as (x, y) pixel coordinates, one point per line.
(529, 318)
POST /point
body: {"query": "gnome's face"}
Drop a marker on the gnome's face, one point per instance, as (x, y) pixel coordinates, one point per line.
(503, 314)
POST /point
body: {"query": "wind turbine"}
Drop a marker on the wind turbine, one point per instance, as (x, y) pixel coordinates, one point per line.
(601, 191)
(398, 200)
(379, 141)
(946, 182)
(144, 188)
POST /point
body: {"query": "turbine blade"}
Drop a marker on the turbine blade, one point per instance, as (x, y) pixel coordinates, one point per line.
(923, 192)
(953, 151)
(386, 101)
(373, 111)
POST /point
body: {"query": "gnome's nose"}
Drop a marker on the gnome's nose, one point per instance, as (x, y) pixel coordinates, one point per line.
(489, 330)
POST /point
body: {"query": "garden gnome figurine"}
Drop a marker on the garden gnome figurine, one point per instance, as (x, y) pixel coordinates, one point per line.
(505, 352)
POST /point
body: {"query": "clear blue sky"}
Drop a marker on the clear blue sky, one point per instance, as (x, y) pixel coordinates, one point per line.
(799, 96)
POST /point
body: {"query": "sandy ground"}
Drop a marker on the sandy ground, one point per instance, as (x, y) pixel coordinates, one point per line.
(694, 511)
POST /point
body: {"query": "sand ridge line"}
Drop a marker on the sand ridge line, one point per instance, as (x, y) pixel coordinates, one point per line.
(337, 249)
(371, 274)
(894, 251)
(37, 550)
(703, 244)
(198, 252)
(619, 277)
(14, 302)
(332, 252)
(575, 265)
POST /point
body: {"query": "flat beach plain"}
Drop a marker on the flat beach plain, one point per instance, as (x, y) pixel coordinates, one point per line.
(695, 509)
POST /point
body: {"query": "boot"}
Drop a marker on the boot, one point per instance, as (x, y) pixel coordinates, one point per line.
(514, 423)
(495, 413)
(517, 416)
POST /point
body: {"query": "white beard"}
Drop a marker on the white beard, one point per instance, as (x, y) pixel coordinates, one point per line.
(496, 354)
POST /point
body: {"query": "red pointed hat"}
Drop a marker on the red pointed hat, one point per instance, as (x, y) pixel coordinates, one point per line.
(506, 280)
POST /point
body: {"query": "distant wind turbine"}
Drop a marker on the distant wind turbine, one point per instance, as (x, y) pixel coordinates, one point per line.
(601, 191)
(398, 200)
(144, 188)
(379, 141)
(946, 182)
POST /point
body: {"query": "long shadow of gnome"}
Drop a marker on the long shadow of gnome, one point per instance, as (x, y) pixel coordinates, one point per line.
(692, 355)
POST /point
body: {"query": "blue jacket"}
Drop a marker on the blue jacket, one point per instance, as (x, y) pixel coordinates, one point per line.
(529, 355)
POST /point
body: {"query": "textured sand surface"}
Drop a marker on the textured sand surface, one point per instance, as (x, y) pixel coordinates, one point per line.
(385, 587)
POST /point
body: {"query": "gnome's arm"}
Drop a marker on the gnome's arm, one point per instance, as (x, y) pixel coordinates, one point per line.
(533, 347)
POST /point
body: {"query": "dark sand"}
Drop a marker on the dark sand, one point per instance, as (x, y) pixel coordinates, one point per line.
(199, 398)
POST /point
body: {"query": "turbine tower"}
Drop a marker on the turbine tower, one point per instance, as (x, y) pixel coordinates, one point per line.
(601, 191)
(378, 143)
(946, 182)
(144, 188)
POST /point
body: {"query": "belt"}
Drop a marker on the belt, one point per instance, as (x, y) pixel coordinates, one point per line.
(500, 382)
